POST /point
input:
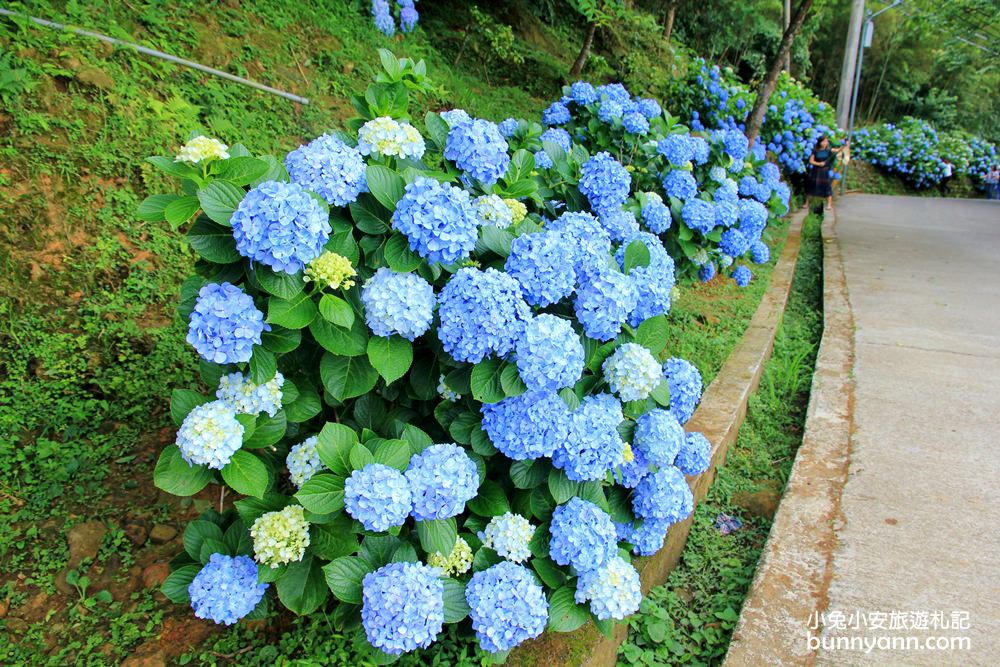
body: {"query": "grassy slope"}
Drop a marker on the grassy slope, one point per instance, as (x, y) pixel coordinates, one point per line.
(89, 345)
(690, 618)
(864, 177)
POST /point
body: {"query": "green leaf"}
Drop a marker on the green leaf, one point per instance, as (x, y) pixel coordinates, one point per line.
(490, 501)
(251, 509)
(486, 385)
(172, 168)
(213, 242)
(181, 210)
(268, 574)
(333, 540)
(661, 394)
(175, 586)
(280, 340)
(463, 425)
(322, 494)
(182, 402)
(268, 430)
(527, 474)
(437, 128)
(385, 185)
(416, 438)
(570, 398)
(246, 474)
(209, 547)
(351, 342)
(393, 453)
(522, 163)
(360, 456)
(398, 255)
(438, 536)
(481, 443)
(511, 382)
(343, 576)
(368, 216)
(636, 255)
(336, 311)
(495, 240)
(549, 572)
(241, 170)
(263, 365)
(280, 284)
(653, 334)
(219, 199)
(305, 407)
(196, 533)
(153, 207)
(175, 475)
(390, 356)
(275, 171)
(561, 487)
(295, 313)
(301, 588)
(565, 615)
(378, 550)
(455, 606)
(334, 444)
(347, 377)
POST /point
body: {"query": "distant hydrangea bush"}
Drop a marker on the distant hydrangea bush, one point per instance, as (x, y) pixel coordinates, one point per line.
(438, 361)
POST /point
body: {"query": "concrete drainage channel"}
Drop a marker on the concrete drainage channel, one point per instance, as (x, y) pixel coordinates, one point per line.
(795, 568)
(719, 416)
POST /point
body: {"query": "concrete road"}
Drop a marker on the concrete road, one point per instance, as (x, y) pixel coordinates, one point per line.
(919, 546)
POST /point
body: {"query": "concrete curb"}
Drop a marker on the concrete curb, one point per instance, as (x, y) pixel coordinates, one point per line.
(719, 416)
(793, 576)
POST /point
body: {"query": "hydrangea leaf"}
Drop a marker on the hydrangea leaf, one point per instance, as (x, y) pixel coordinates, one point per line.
(196, 533)
(174, 475)
(301, 588)
(305, 407)
(565, 615)
(438, 535)
(405, 553)
(368, 215)
(268, 574)
(175, 586)
(250, 509)
(219, 200)
(322, 494)
(437, 129)
(351, 342)
(661, 394)
(360, 456)
(653, 333)
(378, 550)
(267, 431)
(183, 401)
(485, 381)
(246, 474)
(391, 356)
(416, 438)
(347, 377)
(213, 242)
(491, 501)
(528, 474)
(393, 453)
(541, 504)
(385, 185)
(561, 487)
(173, 168)
(455, 606)
(263, 365)
(495, 240)
(211, 546)
(240, 169)
(153, 207)
(334, 444)
(342, 239)
(280, 340)
(481, 443)
(522, 163)
(181, 210)
(295, 313)
(484, 559)
(636, 255)
(550, 573)
(275, 171)
(279, 283)
(398, 255)
(462, 427)
(336, 311)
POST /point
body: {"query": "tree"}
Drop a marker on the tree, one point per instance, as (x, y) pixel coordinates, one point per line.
(598, 13)
(768, 83)
(668, 24)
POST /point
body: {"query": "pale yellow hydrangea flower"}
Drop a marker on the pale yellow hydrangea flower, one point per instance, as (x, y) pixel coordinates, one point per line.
(331, 270)
(517, 208)
(280, 537)
(458, 561)
(202, 148)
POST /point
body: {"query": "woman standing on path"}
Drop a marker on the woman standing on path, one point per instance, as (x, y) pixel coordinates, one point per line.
(820, 165)
(993, 182)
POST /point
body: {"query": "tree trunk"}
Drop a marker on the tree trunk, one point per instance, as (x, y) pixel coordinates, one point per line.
(668, 25)
(786, 16)
(767, 85)
(588, 40)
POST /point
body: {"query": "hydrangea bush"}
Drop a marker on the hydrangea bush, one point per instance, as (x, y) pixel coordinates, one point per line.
(429, 410)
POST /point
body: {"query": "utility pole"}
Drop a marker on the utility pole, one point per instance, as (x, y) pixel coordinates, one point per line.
(849, 67)
(788, 19)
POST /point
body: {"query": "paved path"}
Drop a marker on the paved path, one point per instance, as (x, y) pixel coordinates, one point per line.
(921, 506)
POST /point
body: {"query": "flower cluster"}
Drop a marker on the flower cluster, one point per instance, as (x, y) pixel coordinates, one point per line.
(507, 606)
(402, 607)
(663, 495)
(303, 461)
(226, 589)
(632, 372)
(528, 426)
(481, 312)
(330, 168)
(202, 149)
(378, 496)
(549, 354)
(280, 537)
(605, 182)
(210, 435)
(494, 211)
(442, 479)
(225, 324)
(248, 398)
(695, 455)
(658, 437)
(331, 270)
(542, 263)
(398, 303)
(438, 219)
(685, 387)
(457, 562)
(510, 536)
(477, 148)
(594, 445)
(583, 535)
(390, 138)
(612, 589)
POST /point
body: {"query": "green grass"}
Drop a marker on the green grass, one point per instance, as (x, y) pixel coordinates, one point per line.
(864, 177)
(689, 619)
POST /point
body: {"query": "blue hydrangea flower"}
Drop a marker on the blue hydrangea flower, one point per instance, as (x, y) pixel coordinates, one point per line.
(378, 496)
(605, 182)
(508, 127)
(528, 426)
(280, 225)
(663, 495)
(593, 445)
(549, 354)
(507, 606)
(583, 93)
(734, 243)
(685, 387)
(706, 272)
(609, 111)
(442, 479)
(603, 302)
(770, 173)
(648, 537)
(632, 372)
(649, 108)
(635, 123)
(727, 191)
(753, 218)
(455, 116)
(616, 92)
(613, 589)
(619, 223)
(727, 213)
(680, 184)
(408, 16)
(677, 148)
(717, 174)
(330, 168)
(658, 437)
(402, 607)
(510, 536)
(226, 589)
(398, 303)
(543, 160)
(695, 456)
(736, 144)
(630, 473)
(481, 312)
(760, 253)
(543, 265)
(556, 114)
(699, 215)
(493, 211)
(383, 17)
(655, 214)
(623, 529)
(558, 136)
(248, 398)
(748, 186)
(303, 461)
(742, 276)
(438, 219)
(210, 435)
(700, 150)
(590, 241)
(477, 148)
(583, 535)
(652, 283)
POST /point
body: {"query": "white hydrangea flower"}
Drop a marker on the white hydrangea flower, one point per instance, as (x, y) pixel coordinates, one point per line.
(202, 148)
(492, 210)
(386, 136)
(632, 372)
(303, 461)
(509, 535)
(248, 398)
(280, 537)
(446, 392)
